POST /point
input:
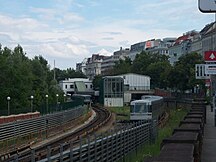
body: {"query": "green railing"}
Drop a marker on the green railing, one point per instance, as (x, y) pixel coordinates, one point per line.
(45, 108)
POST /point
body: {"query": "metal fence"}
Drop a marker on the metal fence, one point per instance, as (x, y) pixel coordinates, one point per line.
(45, 108)
(105, 148)
(22, 128)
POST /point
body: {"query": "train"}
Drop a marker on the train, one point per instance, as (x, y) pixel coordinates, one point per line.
(86, 98)
(147, 108)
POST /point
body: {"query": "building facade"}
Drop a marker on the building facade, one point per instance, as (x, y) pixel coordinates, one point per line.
(111, 92)
(136, 49)
(109, 62)
(135, 85)
(152, 46)
(82, 66)
(69, 85)
(181, 46)
(208, 36)
(196, 44)
(93, 66)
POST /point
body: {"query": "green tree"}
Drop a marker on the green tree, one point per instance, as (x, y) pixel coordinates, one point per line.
(182, 76)
(97, 82)
(143, 60)
(159, 72)
(40, 85)
(122, 66)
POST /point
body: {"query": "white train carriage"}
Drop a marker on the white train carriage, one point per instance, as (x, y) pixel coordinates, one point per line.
(149, 107)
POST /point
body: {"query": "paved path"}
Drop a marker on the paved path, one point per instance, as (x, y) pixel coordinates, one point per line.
(209, 140)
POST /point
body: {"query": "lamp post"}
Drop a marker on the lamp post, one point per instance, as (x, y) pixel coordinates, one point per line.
(57, 101)
(47, 102)
(31, 97)
(65, 97)
(8, 104)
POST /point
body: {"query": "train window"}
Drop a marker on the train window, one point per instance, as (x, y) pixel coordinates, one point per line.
(132, 108)
(141, 108)
(150, 108)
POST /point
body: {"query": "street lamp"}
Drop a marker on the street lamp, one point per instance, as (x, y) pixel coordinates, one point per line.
(8, 104)
(47, 102)
(31, 97)
(57, 101)
(65, 97)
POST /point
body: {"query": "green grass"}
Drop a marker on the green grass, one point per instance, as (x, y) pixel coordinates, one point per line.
(149, 150)
(121, 110)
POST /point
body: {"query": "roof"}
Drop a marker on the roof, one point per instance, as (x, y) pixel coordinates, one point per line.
(134, 74)
(75, 80)
(147, 100)
(209, 28)
(187, 36)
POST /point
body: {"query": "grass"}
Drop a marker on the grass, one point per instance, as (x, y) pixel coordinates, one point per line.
(149, 150)
(124, 112)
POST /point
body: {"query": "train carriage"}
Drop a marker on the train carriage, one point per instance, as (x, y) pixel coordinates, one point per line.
(86, 98)
(148, 107)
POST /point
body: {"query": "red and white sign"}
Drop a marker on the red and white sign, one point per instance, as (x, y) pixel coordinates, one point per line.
(149, 44)
(210, 56)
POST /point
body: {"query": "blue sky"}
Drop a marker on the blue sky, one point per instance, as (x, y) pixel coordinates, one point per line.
(71, 30)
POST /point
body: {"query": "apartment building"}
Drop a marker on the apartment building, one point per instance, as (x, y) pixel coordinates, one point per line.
(109, 62)
(181, 46)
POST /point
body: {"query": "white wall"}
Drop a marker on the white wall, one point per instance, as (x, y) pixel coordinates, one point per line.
(136, 81)
(113, 102)
(70, 82)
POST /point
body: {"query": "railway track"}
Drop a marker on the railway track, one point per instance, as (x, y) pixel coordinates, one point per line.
(40, 152)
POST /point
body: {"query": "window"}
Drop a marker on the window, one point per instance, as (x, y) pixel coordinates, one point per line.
(86, 86)
(72, 86)
(65, 86)
(141, 108)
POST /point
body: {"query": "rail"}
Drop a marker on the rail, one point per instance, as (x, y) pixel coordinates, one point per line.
(104, 148)
(103, 115)
(109, 148)
(18, 130)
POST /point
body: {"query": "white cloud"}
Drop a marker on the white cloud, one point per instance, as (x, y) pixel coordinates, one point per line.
(72, 17)
(20, 24)
(58, 50)
(57, 15)
(64, 33)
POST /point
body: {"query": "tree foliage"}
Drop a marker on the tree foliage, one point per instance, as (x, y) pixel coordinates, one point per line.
(22, 77)
(122, 66)
(97, 82)
(181, 76)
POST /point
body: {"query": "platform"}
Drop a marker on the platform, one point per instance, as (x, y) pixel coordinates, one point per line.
(209, 140)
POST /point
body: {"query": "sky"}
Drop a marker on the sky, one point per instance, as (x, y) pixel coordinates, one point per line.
(68, 31)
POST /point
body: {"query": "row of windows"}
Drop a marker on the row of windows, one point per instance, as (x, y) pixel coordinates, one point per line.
(72, 86)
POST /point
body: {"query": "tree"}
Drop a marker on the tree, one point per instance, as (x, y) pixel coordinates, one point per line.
(122, 66)
(182, 76)
(158, 72)
(22, 77)
(143, 60)
(97, 82)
